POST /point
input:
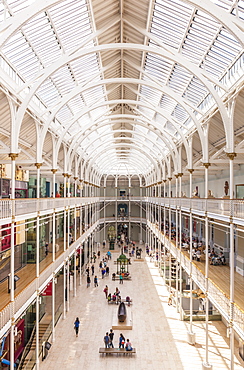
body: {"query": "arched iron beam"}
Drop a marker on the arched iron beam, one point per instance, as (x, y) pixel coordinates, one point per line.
(127, 138)
(163, 52)
(160, 111)
(164, 89)
(13, 24)
(112, 146)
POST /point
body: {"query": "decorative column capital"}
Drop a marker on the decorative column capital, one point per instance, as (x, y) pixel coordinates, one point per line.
(64, 174)
(68, 175)
(206, 165)
(80, 180)
(13, 156)
(169, 178)
(38, 165)
(176, 175)
(180, 174)
(231, 156)
(53, 170)
(75, 178)
(191, 170)
(164, 180)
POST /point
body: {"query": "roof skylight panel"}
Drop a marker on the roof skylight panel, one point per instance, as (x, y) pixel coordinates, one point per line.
(240, 9)
(64, 114)
(225, 4)
(63, 80)
(48, 92)
(180, 113)
(17, 5)
(76, 104)
(167, 103)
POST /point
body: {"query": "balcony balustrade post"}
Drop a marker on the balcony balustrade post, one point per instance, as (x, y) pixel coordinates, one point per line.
(53, 234)
(38, 297)
(65, 231)
(64, 291)
(231, 157)
(206, 364)
(68, 284)
(75, 276)
(53, 307)
(54, 170)
(13, 157)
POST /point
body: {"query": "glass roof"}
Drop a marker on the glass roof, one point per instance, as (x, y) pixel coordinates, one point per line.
(122, 108)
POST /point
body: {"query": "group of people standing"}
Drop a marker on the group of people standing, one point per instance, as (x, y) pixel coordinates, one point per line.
(109, 337)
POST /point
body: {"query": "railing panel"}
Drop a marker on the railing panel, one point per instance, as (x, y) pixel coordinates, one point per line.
(5, 208)
(215, 294)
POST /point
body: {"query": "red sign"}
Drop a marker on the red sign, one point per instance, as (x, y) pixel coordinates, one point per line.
(48, 290)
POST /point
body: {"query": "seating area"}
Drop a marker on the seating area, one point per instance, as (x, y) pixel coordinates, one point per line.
(118, 351)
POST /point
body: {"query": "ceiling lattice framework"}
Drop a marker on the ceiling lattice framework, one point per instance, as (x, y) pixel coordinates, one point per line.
(122, 83)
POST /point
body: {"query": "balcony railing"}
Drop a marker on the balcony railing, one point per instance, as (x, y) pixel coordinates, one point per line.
(27, 296)
(218, 207)
(215, 294)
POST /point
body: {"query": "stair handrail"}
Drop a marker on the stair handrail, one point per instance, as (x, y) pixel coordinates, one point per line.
(27, 349)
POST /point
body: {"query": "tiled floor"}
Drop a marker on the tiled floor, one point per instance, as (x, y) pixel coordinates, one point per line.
(158, 335)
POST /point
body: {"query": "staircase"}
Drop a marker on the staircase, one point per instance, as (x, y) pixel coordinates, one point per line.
(27, 361)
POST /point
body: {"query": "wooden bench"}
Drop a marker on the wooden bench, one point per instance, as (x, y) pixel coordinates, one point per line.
(122, 300)
(118, 351)
(124, 278)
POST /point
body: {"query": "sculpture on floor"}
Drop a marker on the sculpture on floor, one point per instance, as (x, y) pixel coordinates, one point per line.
(122, 312)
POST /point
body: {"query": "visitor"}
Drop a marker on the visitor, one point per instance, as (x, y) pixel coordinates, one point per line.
(92, 268)
(128, 345)
(106, 340)
(121, 278)
(46, 249)
(95, 281)
(107, 271)
(111, 337)
(106, 291)
(76, 326)
(109, 297)
(170, 298)
(121, 341)
(88, 281)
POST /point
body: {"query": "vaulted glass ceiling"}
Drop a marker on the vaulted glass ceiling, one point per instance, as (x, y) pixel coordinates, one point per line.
(120, 82)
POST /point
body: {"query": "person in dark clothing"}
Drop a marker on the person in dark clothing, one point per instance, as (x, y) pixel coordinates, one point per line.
(95, 281)
(106, 340)
(107, 270)
(88, 281)
(76, 326)
(92, 268)
(121, 341)
(111, 337)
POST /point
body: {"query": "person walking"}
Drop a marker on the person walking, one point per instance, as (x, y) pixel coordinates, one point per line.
(106, 340)
(106, 291)
(111, 337)
(92, 268)
(103, 272)
(95, 281)
(121, 341)
(107, 271)
(76, 326)
(88, 281)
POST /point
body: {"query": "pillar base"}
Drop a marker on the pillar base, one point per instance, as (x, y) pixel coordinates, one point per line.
(191, 338)
(206, 366)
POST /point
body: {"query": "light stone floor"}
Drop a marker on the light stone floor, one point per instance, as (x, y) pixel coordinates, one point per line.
(158, 335)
